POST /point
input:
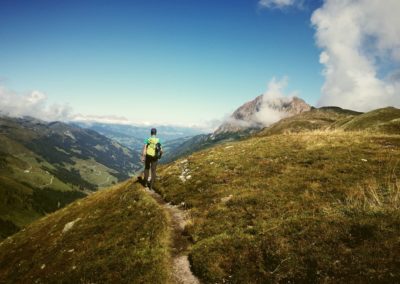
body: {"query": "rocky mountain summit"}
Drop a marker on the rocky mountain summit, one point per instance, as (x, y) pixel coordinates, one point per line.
(262, 112)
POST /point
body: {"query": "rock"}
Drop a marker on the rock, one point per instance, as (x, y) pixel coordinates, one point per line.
(69, 225)
(226, 199)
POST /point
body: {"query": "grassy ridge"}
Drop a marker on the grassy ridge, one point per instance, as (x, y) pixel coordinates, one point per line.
(383, 120)
(315, 119)
(119, 235)
(314, 206)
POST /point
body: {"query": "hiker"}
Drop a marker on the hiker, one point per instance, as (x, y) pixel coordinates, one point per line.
(152, 151)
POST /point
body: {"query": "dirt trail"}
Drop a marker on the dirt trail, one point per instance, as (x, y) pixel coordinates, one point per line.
(181, 266)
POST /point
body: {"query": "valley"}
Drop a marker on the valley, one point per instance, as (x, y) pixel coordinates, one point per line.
(44, 166)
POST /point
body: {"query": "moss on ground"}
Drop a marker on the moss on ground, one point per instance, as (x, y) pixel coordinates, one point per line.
(309, 207)
(119, 235)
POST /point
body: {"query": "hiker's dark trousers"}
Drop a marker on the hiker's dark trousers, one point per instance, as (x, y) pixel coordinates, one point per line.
(150, 163)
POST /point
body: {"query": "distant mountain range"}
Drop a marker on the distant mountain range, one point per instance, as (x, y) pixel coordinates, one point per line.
(44, 166)
(133, 136)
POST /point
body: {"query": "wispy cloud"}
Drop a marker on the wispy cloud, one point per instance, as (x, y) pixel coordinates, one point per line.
(32, 103)
(108, 119)
(280, 4)
(36, 104)
(361, 52)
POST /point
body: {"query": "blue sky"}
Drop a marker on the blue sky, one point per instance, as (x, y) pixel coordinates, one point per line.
(176, 61)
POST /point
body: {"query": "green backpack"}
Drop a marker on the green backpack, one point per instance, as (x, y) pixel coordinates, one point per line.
(154, 147)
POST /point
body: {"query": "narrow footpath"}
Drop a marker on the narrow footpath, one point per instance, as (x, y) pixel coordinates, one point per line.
(180, 244)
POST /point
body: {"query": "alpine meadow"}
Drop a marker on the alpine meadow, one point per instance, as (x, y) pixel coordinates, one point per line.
(137, 144)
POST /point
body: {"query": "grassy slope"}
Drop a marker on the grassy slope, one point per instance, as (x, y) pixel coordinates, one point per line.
(15, 209)
(26, 196)
(122, 237)
(20, 204)
(316, 119)
(384, 120)
(314, 206)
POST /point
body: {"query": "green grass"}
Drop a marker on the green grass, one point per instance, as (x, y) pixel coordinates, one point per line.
(308, 207)
(384, 120)
(121, 235)
(315, 119)
(15, 205)
(94, 172)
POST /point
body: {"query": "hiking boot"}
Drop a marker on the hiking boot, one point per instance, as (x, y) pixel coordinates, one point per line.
(143, 182)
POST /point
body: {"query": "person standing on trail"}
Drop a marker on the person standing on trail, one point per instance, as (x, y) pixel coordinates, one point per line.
(152, 151)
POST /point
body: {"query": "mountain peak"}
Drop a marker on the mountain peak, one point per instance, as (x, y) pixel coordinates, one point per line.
(262, 112)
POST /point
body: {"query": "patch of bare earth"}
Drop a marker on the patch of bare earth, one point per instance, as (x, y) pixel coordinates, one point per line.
(180, 244)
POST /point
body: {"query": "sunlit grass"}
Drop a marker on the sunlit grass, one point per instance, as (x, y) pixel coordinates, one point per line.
(314, 206)
(120, 235)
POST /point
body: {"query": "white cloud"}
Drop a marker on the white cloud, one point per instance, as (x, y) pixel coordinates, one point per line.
(263, 111)
(272, 101)
(35, 104)
(107, 119)
(31, 104)
(280, 4)
(361, 52)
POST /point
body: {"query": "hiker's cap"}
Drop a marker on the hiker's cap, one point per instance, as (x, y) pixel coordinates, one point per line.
(153, 131)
